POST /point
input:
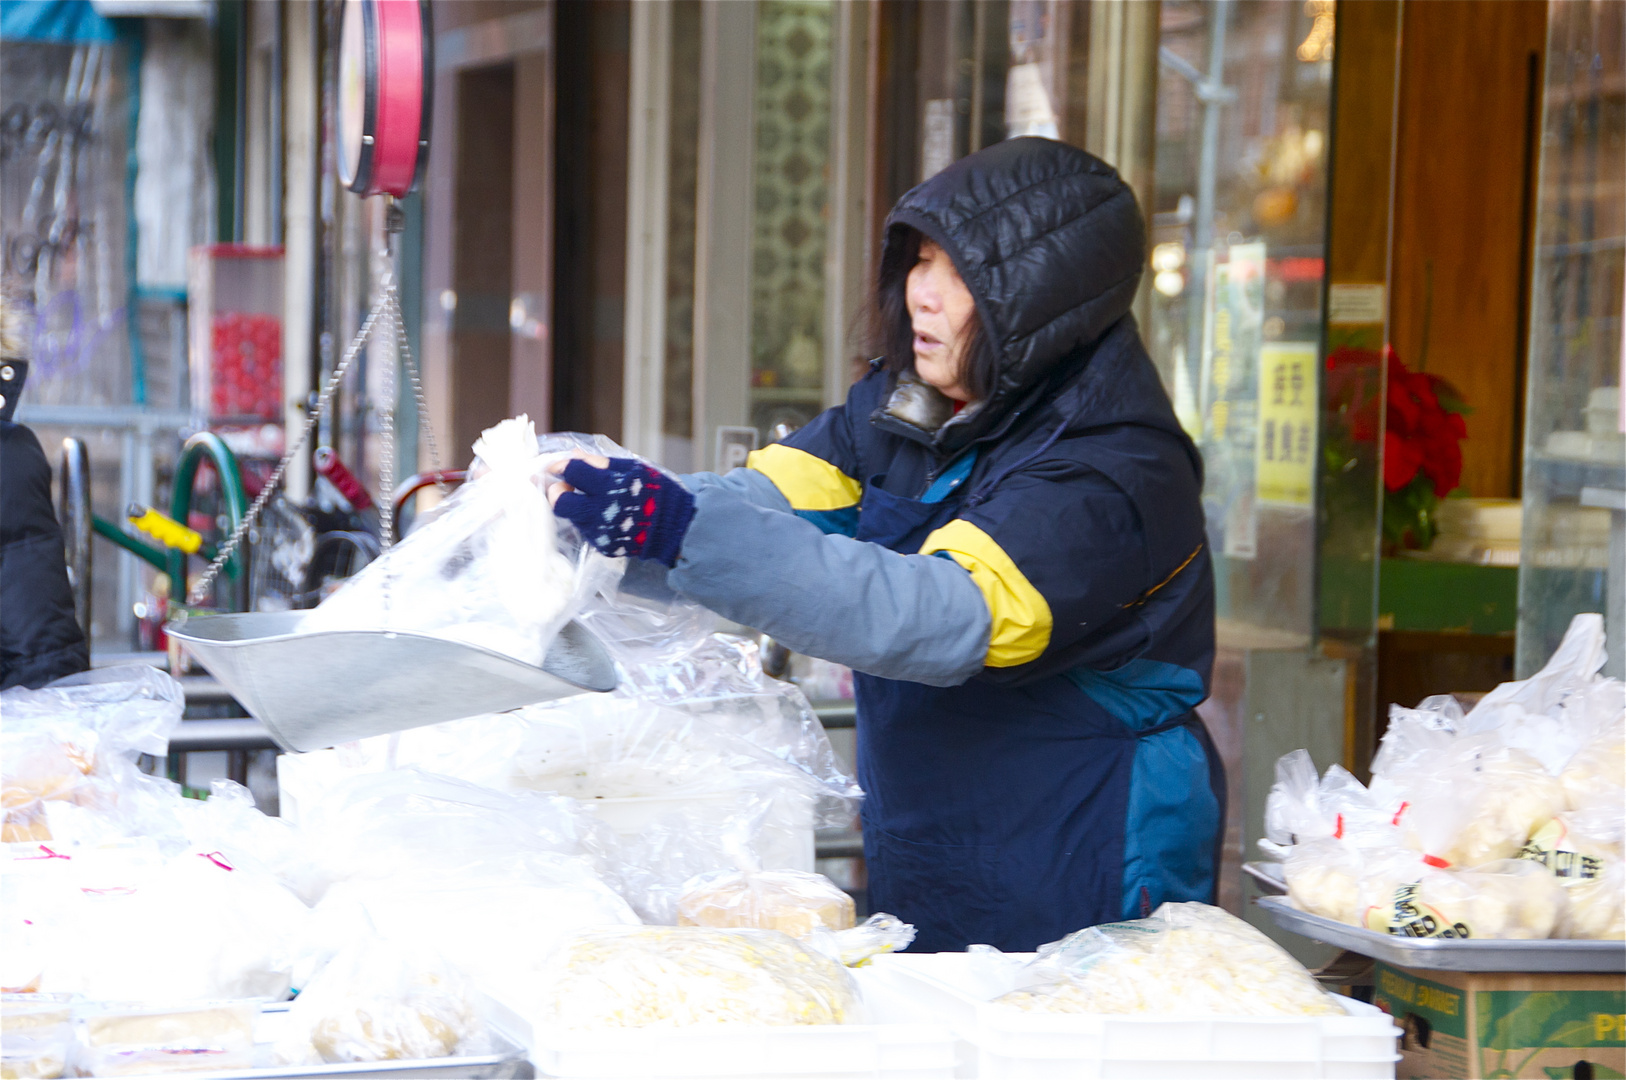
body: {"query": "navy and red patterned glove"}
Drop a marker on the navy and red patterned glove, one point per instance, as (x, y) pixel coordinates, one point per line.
(627, 508)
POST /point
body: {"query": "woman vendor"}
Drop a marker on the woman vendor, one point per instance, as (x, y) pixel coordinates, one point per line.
(1000, 531)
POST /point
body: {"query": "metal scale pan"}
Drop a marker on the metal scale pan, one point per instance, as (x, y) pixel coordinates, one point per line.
(316, 690)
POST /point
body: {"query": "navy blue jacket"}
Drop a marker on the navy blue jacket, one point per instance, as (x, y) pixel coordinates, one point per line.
(1024, 587)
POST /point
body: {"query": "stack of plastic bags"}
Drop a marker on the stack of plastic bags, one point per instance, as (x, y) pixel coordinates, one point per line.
(1506, 822)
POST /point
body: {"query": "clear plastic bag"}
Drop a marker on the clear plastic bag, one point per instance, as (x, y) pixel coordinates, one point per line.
(67, 752)
(1479, 804)
(1596, 906)
(1596, 774)
(1511, 899)
(488, 880)
(121, 1039)
(791, 901)
(383, 1000)
(489, 568)
(383, 825)
(689, 976)
(858, 945)
(1187, 959)
(227, 931)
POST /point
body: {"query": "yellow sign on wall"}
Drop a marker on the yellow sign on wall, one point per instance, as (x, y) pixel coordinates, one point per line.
(1284, 455)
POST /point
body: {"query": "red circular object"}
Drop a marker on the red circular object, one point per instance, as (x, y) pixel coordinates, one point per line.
(386, 82)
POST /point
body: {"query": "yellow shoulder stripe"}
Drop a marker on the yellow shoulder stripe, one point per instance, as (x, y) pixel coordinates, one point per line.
(1021, 616)
(807, 481)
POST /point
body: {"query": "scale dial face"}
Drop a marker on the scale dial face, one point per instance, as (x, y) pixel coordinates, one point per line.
(384, 90)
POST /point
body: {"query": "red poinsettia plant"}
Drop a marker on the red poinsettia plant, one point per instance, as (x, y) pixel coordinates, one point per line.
(1423, 429)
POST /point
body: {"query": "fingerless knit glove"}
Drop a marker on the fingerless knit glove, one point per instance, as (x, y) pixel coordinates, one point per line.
(627, 508)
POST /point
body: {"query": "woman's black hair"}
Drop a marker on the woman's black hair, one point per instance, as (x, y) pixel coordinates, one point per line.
(891, 336)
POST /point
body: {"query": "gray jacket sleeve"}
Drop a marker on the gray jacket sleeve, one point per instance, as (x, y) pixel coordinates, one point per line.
(917, 618)
(748, 484)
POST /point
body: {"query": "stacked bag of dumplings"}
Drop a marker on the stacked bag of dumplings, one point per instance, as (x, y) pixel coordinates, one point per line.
(1504, 822)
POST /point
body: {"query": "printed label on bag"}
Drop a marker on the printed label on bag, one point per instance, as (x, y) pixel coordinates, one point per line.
(1552, 847)
(1406, 916)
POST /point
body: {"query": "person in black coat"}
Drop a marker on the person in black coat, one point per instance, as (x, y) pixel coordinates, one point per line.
(40, 641)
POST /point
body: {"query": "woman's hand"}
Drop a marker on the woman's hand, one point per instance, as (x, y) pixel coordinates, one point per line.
(559, 487)
(622, 506)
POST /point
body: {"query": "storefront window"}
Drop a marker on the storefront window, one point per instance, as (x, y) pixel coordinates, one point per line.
(791, 195)
(1574, 538)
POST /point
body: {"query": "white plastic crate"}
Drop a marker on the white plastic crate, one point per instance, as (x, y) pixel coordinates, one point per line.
(1004, 1042)
(881, 1050)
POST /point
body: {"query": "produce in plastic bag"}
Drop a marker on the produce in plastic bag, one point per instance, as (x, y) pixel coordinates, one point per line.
(1578, 844)
(227, 932)
(791, 901)
(1596, 906)
(661, 976)
(1480, 805)
(1596, 775)
(1187, 959)
(382, 1001)
(1323, 878)
(488, 569)
(135, 1040)
(67, 750)
(1511, 899)
(36, 1035)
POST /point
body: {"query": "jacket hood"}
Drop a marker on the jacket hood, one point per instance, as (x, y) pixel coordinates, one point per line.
(1050, 243)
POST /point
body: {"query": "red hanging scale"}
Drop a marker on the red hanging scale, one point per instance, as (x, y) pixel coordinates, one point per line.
(386, 90)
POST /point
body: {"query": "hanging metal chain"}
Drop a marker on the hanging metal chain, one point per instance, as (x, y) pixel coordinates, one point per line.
(404, 345)
(201, 588)
(386, 420)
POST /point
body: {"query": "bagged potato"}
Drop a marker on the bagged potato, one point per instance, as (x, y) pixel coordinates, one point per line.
(792, 901)
(1596, 906)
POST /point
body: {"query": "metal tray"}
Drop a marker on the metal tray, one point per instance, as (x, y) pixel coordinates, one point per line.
(507, 1061)
(1267, 875)
(1441, 954)
(312, 691)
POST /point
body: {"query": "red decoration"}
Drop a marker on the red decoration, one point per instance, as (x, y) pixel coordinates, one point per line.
(247, 377)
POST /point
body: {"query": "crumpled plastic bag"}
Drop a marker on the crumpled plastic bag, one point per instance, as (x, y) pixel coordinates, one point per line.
(68, 749)
(1187, 959)
(857, 945)
(691, 976)
(381, 1000)
(489, 568)
(793, 902)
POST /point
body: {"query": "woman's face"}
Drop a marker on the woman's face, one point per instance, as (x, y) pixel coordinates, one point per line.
(940, 308)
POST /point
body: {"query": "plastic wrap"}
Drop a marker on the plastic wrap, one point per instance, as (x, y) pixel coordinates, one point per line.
(1187, 959)
(67, 751)
(36, 1035)
(383, 1001)
(657, 976)
(791, 901)
(490, 568)
(139, 1040)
